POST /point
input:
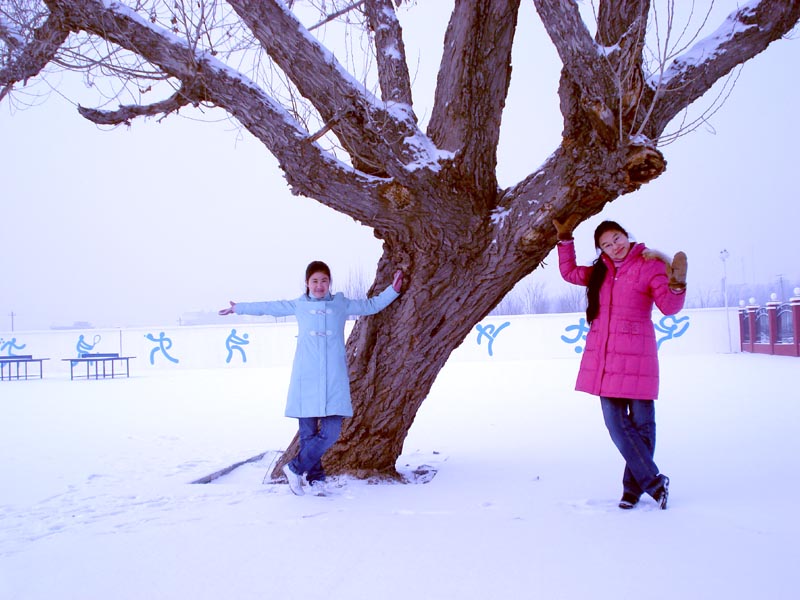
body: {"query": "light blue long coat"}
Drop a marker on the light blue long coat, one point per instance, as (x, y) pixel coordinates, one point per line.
(320, 384)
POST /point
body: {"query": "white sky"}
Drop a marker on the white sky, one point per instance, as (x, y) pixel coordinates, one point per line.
(138, 226)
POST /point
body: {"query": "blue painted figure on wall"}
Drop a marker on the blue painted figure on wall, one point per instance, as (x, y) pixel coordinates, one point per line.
(84, 347)
(164, 344)
(581, 329)
(491, 334)
(672, 326)
(235, 342)
(9, 346)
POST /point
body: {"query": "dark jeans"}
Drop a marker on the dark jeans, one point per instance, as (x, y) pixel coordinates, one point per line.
(632, 425)
(317, 434)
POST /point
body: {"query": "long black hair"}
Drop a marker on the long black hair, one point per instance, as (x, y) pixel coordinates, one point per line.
(316, 266)
(599, 270)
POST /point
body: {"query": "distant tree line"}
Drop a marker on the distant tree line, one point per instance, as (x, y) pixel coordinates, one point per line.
(530, 297)
(534, 297)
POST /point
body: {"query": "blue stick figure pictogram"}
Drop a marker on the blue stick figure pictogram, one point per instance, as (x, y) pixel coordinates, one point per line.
(672, 327)
(164, 344)
(491, 334)
(9, 346)
(581, 329)
(83, 347)
(235, 342)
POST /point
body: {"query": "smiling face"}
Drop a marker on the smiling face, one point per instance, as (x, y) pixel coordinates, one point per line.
(318, 285)
(615, 244)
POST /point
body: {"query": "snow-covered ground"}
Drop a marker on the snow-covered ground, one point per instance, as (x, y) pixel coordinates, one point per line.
(96, 499)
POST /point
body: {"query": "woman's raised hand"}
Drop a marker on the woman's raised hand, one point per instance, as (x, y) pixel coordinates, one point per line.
(677, 278)
(565, 228)
(397, 283)
(229, 310)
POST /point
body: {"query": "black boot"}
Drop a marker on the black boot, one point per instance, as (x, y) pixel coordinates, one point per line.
(628, 501)
(661, 495)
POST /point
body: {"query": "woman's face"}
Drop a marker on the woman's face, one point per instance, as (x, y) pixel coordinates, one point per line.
(318, 285)
(615, 244)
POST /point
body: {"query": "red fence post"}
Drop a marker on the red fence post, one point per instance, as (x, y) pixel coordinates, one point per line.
(744, 329)
(772, 322)
(752, 323)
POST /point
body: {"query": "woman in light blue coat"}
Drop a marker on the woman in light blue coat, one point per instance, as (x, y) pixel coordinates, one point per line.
(319, 389)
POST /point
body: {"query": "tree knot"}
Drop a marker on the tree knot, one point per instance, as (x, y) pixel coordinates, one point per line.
(398, 195)
(643, 163)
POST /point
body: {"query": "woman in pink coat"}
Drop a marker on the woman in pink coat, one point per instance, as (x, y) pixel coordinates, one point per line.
(620, 361)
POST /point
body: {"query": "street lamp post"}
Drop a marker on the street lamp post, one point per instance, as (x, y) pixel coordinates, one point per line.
(723, 255)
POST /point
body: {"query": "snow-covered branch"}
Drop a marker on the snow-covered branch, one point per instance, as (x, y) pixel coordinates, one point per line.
(390, 50)
(375, 137)
(745, 33)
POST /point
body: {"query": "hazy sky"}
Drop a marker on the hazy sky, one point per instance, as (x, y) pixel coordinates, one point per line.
(139, 225)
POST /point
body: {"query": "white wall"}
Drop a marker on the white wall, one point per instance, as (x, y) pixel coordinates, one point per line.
(272, 344)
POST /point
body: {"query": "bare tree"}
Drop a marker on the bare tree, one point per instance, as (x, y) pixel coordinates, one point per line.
(512, 304)
(527, 298)
(536, 300)
(356, 284)
(573, 299)
(354, 143)
(704, 297)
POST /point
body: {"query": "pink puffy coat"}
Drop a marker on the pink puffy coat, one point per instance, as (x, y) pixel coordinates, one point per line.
(620, 359)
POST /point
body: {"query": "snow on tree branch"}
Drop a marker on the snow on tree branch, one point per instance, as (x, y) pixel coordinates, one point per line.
(375, 138)
(745, 33)
(393, 73)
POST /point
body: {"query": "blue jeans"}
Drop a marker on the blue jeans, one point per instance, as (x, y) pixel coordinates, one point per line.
(317, 434)
(632, 425)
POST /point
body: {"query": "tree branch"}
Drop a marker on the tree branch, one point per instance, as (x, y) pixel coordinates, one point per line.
(744, 34)
(393, 73)
(380, 142)
(309, 171)
(472, 86)
(30, 58)
(125, 114)
(333, 16)
(622, 25)
(616, 19)
(579, 54)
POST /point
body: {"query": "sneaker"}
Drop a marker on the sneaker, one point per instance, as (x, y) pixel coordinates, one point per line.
(295, 481)
(628, 501)
(661, 495)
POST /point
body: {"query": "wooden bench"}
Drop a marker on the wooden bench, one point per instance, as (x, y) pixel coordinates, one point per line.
(99, 361)
(14, 363)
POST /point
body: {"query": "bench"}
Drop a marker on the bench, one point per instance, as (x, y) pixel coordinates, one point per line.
(99, 361)
(14, 363)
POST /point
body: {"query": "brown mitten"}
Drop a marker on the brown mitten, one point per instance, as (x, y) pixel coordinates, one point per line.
(677, 278)
(564, 229)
